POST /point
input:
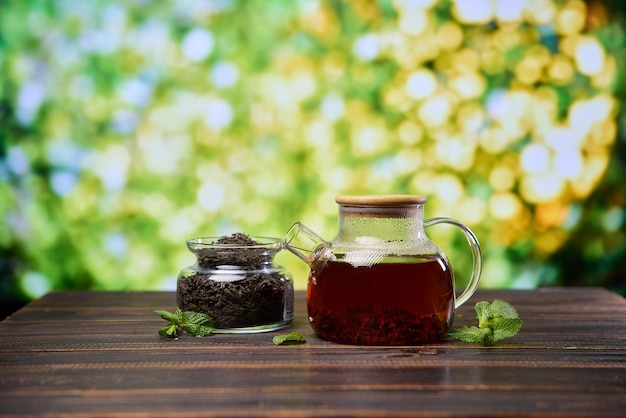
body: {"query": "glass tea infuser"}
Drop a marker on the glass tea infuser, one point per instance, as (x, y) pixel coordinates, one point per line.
(381, 281)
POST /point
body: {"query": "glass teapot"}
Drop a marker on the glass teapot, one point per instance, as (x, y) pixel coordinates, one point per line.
(381, 281)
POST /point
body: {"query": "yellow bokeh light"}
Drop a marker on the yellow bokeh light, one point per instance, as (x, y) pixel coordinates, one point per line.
(468, 86)
(550, 241)
(449, 36)
(368, 140)
(471, 119)
(543, 111)
(422, 4)
(567, 45)
(471, 211)
(493, 140)
(603, 135)
(492, 61)
(541, 188)
(506, 38)
(395, 97)
(465, 60)
(505, 206)
(413, 20)
(333, 65)
(502, 178)
(561, 69)
(424, 49)
(425, 181)
(514, 129)
(595, 165)
(435, 111)
(571, 18)
(540, 12)
(539, 53)
(528, 71)
(320, 21)
(407, 160)
(607, 77)
(410, 132)
(551, 214)
(455, 152)
(588, 117)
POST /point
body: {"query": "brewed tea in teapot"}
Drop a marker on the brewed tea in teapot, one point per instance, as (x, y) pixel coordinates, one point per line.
(381, 281)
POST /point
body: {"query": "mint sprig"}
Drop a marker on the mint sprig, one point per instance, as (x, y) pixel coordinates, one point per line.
(196, 324)
(496, 321)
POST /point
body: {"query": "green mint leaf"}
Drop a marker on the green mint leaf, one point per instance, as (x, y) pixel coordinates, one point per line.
(467, 334)
(496, 321)
(500, 307)
(197, 324)
(197, 318)
(483, 311)
(170, 331)
(288, 339)
(505, 327)
(473, 335)
(487, 335)
(172, 317)
(198, 330)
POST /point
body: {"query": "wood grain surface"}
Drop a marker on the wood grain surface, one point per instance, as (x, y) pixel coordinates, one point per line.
(89, 354)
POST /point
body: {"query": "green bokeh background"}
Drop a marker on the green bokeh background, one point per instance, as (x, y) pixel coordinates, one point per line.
(128, 127)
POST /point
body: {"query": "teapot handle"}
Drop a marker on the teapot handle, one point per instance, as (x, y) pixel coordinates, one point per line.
(476, 255)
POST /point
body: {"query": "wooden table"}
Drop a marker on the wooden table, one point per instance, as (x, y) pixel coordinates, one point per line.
(97, 354)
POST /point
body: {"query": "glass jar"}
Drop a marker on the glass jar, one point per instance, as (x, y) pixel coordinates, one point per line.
(237, 283)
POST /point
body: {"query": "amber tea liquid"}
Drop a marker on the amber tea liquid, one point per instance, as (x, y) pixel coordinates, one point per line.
(399, 301)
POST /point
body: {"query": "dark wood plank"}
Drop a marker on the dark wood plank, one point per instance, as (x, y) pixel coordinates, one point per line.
(97, 354)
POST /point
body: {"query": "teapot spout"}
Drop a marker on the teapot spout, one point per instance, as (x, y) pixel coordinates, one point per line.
(307, 245)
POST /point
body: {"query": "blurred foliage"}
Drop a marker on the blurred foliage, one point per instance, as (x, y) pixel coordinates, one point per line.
(128, 127)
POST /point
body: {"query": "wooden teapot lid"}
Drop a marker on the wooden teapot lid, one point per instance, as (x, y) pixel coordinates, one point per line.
(381, 200)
